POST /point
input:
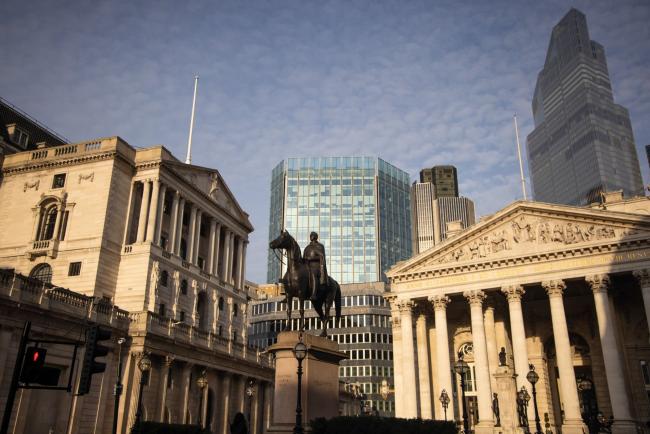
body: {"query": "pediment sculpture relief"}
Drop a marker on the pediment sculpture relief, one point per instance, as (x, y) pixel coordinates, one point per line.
(525, 231)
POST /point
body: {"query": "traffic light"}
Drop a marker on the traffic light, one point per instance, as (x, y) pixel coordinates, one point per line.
(93, 350)
(32, 364)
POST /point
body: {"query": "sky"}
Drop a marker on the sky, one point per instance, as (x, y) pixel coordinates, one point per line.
(417, 83)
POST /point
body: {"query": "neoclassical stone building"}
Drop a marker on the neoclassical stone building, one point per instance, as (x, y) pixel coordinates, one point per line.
(165, 241)
(563, 288)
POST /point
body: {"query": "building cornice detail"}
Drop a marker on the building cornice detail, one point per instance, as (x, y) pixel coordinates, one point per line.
(598, 282)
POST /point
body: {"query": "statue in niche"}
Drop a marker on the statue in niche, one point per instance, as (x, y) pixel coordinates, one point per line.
(473, 249)
(502, 357)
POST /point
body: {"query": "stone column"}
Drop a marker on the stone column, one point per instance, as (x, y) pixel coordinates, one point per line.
(153, 210)
(226, 256)
(572, 419)
(173, 223)
(243, 265)
(211, 247)
(643, 277)
(197, 238)
(410, 406)
(191, 235)
(159, 213)
(187, 369)
(240, 264)
(613, 367)
(144, 206)
(231, 258)
(225, 402)
(484, 390)
(179, 226)
(57, 224)
(398, 367)
(443, 362)
(423, 364)
(166, 366)
(518, 332)
(217, 237)
(491, 341)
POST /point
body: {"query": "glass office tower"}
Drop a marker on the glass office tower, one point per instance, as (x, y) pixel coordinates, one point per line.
(582, 144)
(359, 206)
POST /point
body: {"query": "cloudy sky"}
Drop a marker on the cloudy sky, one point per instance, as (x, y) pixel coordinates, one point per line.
(416, 82)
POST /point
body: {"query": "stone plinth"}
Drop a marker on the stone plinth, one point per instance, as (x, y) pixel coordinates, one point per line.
(506, 388)
(320, 380)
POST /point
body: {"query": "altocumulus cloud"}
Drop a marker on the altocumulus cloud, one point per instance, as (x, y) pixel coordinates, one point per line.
(417, 83)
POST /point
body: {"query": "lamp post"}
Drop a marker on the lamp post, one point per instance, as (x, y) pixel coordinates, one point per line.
(144, 365)
(532, 378)
(444, 400)
(299, 352)
(249, 393)
(462, 368)
(202, 382)
(117, 391)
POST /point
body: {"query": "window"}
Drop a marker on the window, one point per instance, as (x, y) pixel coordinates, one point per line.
(20, 137)
(184, 286)
(234, 309)
(74, 269)
(58, 181)
(220, 303)
(181, 316)
(220, 330)
(164, 278)
(162, 309)
(234, 336)
(42, 272)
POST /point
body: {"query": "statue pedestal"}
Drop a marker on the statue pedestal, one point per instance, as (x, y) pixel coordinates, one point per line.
(320, 381)
(507, 393)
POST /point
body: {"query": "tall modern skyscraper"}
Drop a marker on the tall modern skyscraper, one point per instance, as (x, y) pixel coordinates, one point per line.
(359, 206)
(444, 178)
(582, 143)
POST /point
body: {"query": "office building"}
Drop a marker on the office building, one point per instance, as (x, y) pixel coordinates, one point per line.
(359, 206)
(364, 334)
(562, 289)
(444, 178)
(582, 144)
(163, 240)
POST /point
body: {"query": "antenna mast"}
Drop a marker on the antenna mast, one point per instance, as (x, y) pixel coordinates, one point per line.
(521, 166)
(188, 160)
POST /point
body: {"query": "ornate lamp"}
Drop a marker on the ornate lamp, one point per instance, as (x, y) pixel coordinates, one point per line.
(144, 365)
(462, 369)
(299, 352)
(532, 378)
(444, 400)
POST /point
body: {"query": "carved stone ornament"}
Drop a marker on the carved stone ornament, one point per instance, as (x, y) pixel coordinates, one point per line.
(475, 297)
(513, 292)
(405, 306)
(87, 177)
(554, 288)
(439, 302)
(643, 277)
(169, 360)
(526, 230)
(33, 184)
(598, 282)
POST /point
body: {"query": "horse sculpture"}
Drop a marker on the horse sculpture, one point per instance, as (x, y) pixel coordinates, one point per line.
(296, 284)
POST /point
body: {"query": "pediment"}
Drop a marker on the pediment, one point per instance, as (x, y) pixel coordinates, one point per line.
(528, 228)
(212, 185)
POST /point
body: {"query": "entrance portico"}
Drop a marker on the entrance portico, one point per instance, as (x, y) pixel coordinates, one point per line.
(569, 290)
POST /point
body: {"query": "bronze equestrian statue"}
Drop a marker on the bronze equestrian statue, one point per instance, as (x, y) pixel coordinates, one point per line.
(307, 279)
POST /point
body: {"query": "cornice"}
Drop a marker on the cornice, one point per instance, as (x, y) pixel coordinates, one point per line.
(41, 165)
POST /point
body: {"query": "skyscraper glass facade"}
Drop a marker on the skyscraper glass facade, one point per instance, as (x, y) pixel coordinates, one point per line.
(582, 143)
(359, 206)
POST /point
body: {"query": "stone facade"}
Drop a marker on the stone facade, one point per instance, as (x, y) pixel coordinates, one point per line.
(561, 288)
(163, 240)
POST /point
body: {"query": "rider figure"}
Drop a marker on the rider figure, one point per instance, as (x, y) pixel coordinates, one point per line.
(314, 255)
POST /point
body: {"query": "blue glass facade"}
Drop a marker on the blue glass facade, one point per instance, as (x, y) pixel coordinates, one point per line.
(359, 206)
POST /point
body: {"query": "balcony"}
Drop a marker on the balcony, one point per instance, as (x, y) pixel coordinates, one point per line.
(42, 248)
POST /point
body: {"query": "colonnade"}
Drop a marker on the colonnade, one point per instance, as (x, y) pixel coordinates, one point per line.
(416, 394)
(172, 395)
(226, 248)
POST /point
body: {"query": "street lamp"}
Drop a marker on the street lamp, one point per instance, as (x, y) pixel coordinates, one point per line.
(532, 378)
(249, 393)
(444, 400)
(462, 369)
(144, 365)
(299, 352)
(117, 391)
(202, 382)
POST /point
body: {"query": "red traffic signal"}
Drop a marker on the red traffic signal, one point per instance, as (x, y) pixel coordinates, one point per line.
(32, 364)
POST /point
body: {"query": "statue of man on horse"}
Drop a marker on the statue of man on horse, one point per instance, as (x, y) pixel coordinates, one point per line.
(307, 278)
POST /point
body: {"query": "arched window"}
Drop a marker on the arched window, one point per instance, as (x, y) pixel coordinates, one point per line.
(220, 303)
(48, 215)
(184, 286)
(164, 278)
(42, 272)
